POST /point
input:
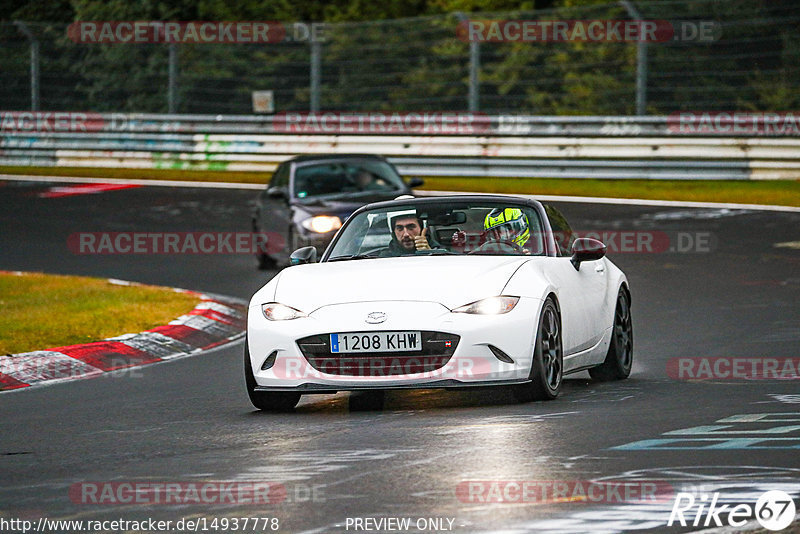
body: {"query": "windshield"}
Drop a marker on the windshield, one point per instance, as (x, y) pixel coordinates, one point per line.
(451, 228)
(345, 177)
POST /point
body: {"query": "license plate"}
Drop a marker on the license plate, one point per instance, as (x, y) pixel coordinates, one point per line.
(376, 342)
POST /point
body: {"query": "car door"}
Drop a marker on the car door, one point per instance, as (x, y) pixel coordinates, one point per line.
(583, 290)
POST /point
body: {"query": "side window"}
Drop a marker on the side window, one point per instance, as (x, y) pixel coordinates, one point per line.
(536, 242)
(281, 176)
(561, 230)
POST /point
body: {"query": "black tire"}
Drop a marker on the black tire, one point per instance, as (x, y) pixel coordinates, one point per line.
(619, 358)
(547, 368)
(265, 261)
(268, 401)
(365, 401)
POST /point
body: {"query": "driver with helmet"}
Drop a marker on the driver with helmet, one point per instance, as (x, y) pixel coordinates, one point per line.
(507, 225)
(504, 230)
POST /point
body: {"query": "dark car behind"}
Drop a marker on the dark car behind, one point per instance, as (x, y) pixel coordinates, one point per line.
(309, 197)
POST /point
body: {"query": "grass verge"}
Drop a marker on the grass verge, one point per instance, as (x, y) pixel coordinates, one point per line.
(42, 311)
(781, 193)
(777, 192)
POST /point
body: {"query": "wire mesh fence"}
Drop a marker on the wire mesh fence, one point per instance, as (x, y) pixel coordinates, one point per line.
(746, 60)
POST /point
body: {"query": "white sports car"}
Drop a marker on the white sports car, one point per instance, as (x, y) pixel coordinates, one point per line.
(440, 292)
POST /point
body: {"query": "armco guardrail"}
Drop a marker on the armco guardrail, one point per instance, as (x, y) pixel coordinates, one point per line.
(508, 146)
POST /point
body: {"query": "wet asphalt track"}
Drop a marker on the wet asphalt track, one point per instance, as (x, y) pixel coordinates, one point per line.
(190, 420)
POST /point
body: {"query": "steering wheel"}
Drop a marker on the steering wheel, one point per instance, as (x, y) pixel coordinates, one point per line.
(498, 247)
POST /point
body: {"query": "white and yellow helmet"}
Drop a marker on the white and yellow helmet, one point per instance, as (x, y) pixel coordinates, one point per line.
(507, 224)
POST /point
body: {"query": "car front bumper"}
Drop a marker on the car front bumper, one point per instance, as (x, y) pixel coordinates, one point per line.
(472, 363)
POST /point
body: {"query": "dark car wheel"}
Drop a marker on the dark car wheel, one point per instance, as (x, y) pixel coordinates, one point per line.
(265, 261)
(267, 401)
(619, 358)
(363, 401)
(547, 368)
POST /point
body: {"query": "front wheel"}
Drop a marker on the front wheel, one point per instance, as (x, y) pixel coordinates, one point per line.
(365, 401)
(547, 367)
(265, 261)
(619, 358)
(268, 401)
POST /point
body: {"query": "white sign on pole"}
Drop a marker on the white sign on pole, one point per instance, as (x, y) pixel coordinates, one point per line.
(263, 102)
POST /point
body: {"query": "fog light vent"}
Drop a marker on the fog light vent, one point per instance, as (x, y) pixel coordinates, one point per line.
(500, 355)
(270, 361)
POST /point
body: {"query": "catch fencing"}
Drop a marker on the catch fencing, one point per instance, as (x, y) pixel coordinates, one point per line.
(718, 55)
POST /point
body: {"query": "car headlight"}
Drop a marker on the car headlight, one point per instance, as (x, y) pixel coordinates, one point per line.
(322, 224)
(275, 311)
(489, 306)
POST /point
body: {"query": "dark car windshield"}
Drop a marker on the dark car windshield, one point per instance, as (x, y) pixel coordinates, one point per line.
(451, 228)
(338, 178)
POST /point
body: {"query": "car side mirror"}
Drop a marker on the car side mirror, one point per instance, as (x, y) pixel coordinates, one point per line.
(278, 192)
(415, 182)
(303, 255)
(586, 249)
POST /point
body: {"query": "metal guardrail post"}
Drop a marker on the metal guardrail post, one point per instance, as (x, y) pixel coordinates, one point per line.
(641, 62)
(316, 74)
(473, 96)
(474, 69)
(172, 89)
(34, 63)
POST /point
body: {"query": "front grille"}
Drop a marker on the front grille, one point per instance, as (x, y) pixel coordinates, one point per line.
(437, 349)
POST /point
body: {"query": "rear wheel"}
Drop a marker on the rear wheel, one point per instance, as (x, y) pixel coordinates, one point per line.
(619, 358)
(547, 368)
(268, 401)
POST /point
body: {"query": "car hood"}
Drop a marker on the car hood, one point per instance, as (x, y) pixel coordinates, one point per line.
(344, 206)
(449, 280)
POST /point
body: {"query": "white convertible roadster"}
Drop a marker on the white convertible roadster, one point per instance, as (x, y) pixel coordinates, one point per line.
(440, 292)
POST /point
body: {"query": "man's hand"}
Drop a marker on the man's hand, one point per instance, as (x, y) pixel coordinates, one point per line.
(420, 242)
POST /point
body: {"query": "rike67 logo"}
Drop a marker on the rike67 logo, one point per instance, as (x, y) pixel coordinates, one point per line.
(774, 510)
